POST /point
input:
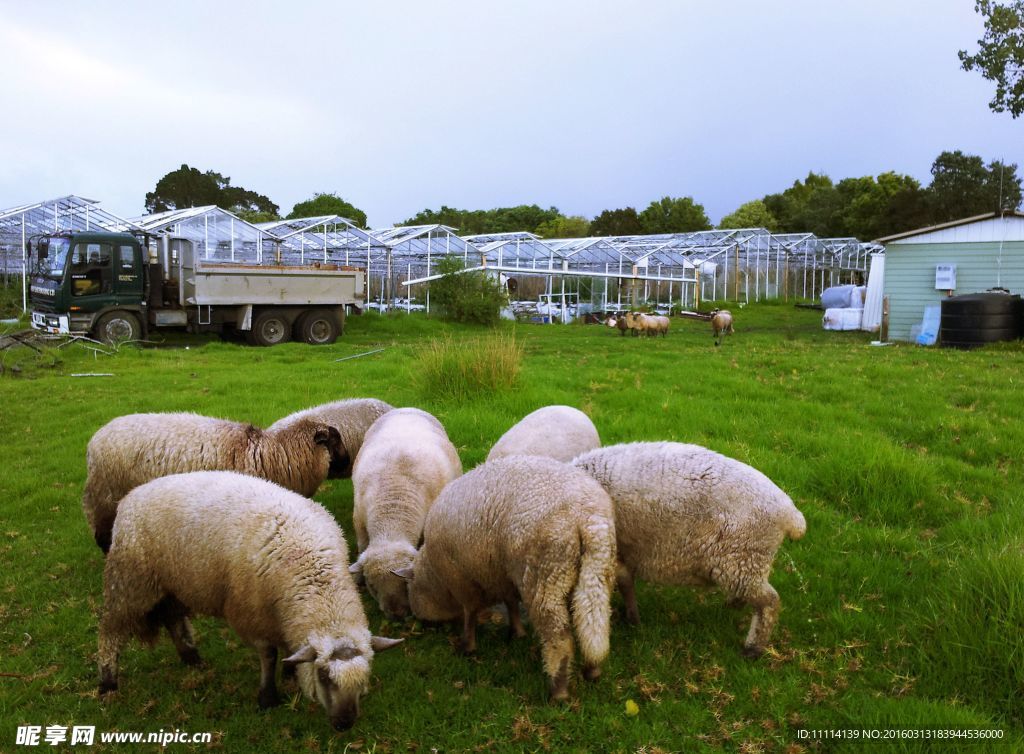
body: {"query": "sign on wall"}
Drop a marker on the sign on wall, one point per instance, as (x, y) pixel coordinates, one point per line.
(945, 277)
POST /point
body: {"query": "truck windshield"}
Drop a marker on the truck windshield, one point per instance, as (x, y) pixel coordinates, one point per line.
(52, 257)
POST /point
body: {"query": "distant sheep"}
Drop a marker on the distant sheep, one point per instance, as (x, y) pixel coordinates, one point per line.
(351, 417)
(559, 432)
(133, 449)
(687, 515)
(647, 324)
(522, 528)
(618, 323)
(721, 324)
(270, 562)
(405, 462)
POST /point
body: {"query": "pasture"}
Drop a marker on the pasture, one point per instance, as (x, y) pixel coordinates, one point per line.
(902, 607)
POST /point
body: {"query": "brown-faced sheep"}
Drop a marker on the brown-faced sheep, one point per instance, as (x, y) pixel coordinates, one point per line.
(617, 322)
(524, 528)
(559, 432)
(687, 515)
(405, 462)
(133, 449)
(351, 417)
(270, 562)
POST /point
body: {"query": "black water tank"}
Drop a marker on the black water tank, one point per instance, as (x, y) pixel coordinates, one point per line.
(979, 318)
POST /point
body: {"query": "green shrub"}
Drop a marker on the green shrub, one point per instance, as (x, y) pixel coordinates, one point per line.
(463, 367)
(470, 297)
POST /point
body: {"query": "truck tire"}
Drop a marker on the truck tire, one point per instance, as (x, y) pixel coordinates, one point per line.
(269, 328)
(117, 327)
(318, 327)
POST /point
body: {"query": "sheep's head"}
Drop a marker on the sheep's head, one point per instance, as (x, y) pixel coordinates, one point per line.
(612, 322)
(335, 671)
(378, 564)
(340, 464)
(429, 598)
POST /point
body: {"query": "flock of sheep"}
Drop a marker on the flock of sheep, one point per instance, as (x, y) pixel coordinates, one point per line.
(654, 324)
(207, 516)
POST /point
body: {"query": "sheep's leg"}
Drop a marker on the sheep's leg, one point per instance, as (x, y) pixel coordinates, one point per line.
(515, 621)
(467, 644)
(551, 622)
(624, 580)
(184, 640)
(268, 667)
(103, 531)
(111, 642)
(765, 601)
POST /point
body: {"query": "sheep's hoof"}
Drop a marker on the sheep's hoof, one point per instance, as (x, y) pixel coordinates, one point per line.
(633, 617)
(107, 686)
(753, 652)
(288, 672)
(559, 694)
(190, 656)
(592, 672)
(465, 648)
(268, 698)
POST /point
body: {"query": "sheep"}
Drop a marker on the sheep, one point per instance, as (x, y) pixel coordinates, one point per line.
(133, 449)
(527, 528)
(618, 323)
(273, 564)
(635, 322)
(405, 462)
(351, 417)
(648, 324)
(559, 432)
(687, 515)
(721, 324)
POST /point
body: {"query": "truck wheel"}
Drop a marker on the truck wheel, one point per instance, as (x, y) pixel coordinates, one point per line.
(269, 329)
(318, 327)
(117, 327)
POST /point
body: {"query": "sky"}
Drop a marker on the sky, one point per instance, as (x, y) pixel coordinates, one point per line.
(399, 106)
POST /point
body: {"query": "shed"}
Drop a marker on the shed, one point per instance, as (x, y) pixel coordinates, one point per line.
(972, 255)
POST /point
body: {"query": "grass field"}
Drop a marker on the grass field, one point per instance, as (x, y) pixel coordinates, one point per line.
(903, 607)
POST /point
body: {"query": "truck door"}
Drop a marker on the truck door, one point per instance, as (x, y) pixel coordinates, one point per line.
(128, 285)
(90, 272)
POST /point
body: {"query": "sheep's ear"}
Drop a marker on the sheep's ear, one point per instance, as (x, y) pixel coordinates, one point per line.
(327, 435)
(403, 573)
(305, 653)
(355, 567)
(380, 643)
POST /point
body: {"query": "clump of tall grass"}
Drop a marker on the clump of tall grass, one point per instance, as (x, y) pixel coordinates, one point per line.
(455, 368)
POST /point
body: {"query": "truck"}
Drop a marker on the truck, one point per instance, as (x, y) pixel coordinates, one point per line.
(117, 287)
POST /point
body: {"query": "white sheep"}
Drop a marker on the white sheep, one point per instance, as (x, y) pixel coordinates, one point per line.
(270, 562)
(522, 528)
(405, 462)
(647, 324)
(687, 515)
(351, 417)
(721, 324)
(559, 432)
(133, 449)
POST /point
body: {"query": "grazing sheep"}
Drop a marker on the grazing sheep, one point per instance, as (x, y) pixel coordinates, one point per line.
(721, 324)
(273, 564)
(525, 528)
(635, 322)
(618, 323)
(687, 515)
(351, 417)
(647, 324)
(406, 461)
(559, 432)
(133, 449)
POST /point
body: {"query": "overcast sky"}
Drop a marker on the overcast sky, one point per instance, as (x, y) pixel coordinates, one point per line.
(399, 106)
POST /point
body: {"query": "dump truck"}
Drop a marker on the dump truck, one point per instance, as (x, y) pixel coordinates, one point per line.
(117, 287)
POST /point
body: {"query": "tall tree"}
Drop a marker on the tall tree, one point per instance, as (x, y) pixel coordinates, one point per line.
(962, 185)
(189, 187)
(328, 204)
(616, 222)
(674, 215)
(1000, 56)
(573, 226)
(753, 214)
(807, 205)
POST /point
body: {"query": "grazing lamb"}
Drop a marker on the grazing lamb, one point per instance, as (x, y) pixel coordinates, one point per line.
(133, 449)
(657, 324)
(405, 462)
(270, 562)
(618, 323)
(351, 417)
(687, 515)
(721, 324)
(522, 528)
(559, 432)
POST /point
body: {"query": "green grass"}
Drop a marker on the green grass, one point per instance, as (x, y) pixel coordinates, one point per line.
(902, 607)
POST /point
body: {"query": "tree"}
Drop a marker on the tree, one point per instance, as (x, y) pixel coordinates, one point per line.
(328, 204)
(1000, 56)
(963, 186)
(472, 297)
(524, 217)
(256, 216)
(616, 222)
(669, 215)
(807, 205)
(189, 187)
(753, 214)
(573, 226)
